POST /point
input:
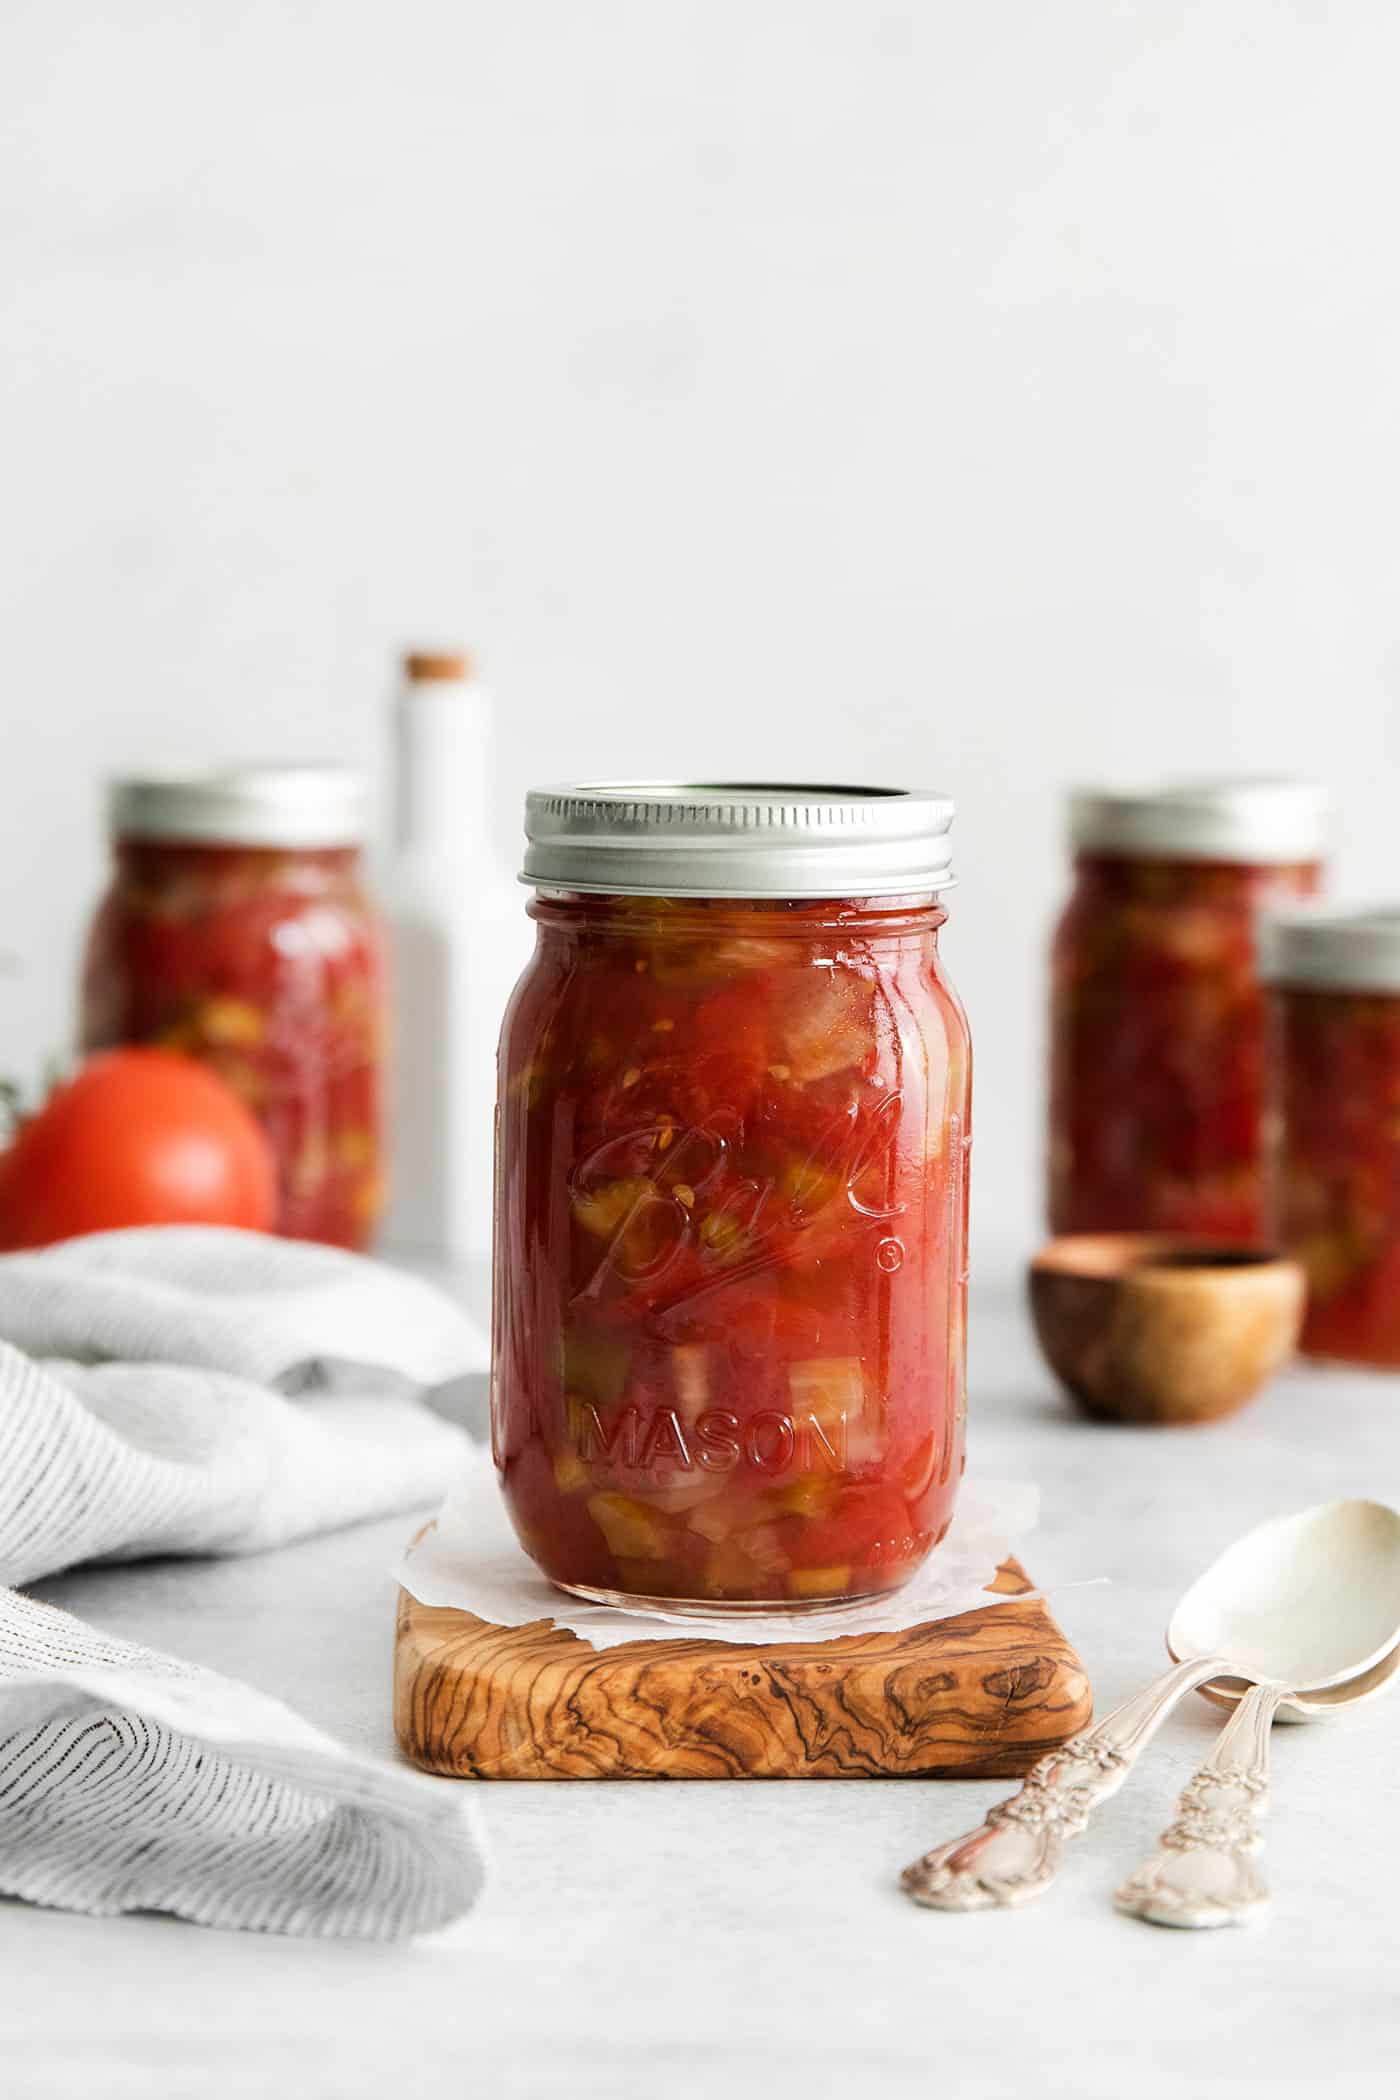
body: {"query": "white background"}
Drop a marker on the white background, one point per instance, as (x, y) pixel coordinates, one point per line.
(978, 396)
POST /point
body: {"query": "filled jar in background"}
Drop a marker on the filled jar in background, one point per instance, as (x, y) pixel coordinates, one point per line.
(236, 930)
(730, 1260)
(1157, 1021)
(1335, 1184)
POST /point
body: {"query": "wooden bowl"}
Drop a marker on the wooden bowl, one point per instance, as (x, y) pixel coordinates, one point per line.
(1146, 1327)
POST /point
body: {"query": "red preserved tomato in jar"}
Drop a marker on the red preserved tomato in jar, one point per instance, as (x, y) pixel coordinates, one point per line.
(1336, 1170)
(236, 930)
(731, 1224)
(1157, 1024)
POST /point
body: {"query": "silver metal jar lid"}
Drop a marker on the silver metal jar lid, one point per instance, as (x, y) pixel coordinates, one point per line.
(654, 838)
(304, 805)
(1253, 821)
(1336, 951)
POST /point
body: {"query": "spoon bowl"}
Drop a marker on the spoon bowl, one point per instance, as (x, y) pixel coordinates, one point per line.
(1310, 1600)
(1320, 1703)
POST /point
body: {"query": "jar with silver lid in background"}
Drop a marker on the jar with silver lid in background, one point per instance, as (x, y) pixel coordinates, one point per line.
(1334, 982)
(236, 929)
(1157, 1019)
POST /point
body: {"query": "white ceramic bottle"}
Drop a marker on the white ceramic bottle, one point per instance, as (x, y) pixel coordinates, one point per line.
(458, 945)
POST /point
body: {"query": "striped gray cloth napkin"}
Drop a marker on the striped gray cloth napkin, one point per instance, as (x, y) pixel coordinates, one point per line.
(130, 1781)
(202, 1391)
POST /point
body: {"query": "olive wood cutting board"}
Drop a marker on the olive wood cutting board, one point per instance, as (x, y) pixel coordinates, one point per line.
(981, 1696)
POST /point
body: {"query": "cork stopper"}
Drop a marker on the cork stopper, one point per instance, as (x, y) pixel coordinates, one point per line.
(429, 666)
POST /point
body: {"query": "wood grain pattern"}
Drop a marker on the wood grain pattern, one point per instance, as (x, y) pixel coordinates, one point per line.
(983, 1695)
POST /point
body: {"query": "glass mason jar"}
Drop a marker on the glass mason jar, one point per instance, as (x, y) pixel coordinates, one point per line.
(1157, 1021)
(730, 1259)
(1335, 1184)
(236, 930)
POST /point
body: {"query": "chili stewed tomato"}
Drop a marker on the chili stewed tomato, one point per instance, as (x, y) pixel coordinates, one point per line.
(731, 1247)
(264, 961)
(1336, 1165)
(1157, 1024)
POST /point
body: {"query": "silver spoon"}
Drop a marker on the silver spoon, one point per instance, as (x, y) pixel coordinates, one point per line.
(1202, 1873)
(1299, 1607)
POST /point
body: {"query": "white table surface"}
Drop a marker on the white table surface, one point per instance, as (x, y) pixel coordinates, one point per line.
(657, 1941)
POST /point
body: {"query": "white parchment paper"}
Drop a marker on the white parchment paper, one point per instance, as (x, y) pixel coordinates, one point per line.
(470, 1559)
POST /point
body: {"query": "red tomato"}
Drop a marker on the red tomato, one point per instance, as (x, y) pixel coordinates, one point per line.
(868, 1526)
(138, 1137)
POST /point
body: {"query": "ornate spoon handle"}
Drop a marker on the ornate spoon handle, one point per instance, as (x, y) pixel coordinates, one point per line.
(1014, 1855)
(1201, 1873)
